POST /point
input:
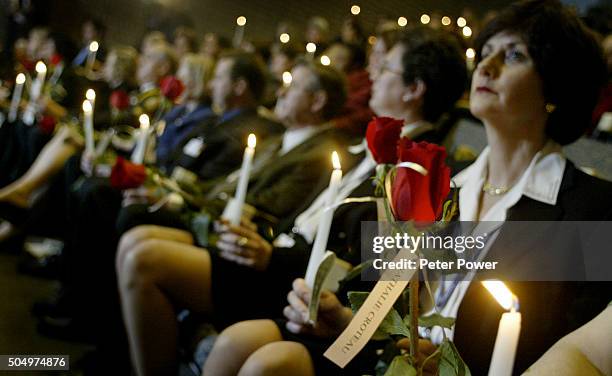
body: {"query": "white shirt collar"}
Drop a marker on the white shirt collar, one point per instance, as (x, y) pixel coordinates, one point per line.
(295, 136)
(147, 86)
(415, 129)
(541, 181)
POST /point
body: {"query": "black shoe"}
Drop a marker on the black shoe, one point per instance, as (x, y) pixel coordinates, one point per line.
(65, 329)
(46, 267)
(13, 213)
(59, 306)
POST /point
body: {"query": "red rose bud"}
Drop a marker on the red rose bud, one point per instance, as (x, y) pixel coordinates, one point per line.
(120, 100)
(56, 59)
(171, 87)
(414, 196)
(382, 136)
(127, 175)
(47, 124)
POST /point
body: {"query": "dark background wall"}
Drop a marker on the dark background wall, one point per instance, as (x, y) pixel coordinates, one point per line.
(128, 19)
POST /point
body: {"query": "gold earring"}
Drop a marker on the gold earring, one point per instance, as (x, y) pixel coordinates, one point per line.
(550, 108)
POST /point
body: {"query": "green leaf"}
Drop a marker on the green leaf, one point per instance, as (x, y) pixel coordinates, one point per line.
(451, 363)
(392, 324)
(435, 320)
(401, 367)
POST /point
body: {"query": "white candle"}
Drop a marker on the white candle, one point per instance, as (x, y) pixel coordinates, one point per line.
(320, 243)
(90, 94)
(311, 48)
(91, 56)
(233, 211)
(502, 361)
(17, 92)
(239, 31)
(88, 127)
(35, 91)
(141, 143)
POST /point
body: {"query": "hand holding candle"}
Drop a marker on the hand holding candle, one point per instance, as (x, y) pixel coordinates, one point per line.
(88, 127)
(502, 361)
(320, 242)
(35, 91)
(233, 210)
(141, 142)
(17, 93)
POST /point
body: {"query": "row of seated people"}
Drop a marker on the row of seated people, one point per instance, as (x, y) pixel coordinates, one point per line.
(127, 266)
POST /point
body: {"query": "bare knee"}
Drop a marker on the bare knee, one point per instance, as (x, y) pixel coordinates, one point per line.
(139, 265)
(130, 239)
(236, 343)
(253, 333)
(279, 358)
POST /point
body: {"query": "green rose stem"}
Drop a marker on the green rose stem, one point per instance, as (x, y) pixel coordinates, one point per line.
(414, 316)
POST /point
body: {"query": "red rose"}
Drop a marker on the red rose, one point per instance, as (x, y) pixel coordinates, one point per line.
(47, 124)
(171, 87)
(382, 136)
(414, 196)
(127, 175)
(119, 100)
(56, 59)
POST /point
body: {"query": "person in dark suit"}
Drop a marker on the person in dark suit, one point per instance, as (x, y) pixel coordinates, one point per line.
(288, 172)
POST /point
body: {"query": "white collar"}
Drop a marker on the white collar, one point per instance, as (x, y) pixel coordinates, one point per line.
(147, 87)
(295, 136)
(541, 181)
(415, 129)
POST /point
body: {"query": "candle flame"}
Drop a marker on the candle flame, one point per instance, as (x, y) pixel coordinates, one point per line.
(241, 21)
(284, 38)
(311, 47)
(252, 141)
(425, 19)
(502, 294)
(90, 94)
(20, 78)
(287, 78)
(325, 60)
(461, 22)
(355, 9)
(144, 121)
(446, 20)
(93, 46)
(41, 67)
(87, 107)
(467, 31)
(336, 161)
(470, 53)
(402, 21)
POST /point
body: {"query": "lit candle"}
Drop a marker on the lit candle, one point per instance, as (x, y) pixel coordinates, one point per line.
(239, 31)
(311, 48)
(233, 211)
(91, 56)
(470, 54)
(90, 94)
(88, 127)
(141, 142)
(35, 91)
(17, 92)
(320, 243)
(502, 361)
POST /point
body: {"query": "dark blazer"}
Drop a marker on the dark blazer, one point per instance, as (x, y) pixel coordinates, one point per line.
(223, 143)
(549, 310)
